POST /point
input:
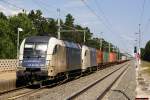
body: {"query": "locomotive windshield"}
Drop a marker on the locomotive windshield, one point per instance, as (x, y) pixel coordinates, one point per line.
(35, 50)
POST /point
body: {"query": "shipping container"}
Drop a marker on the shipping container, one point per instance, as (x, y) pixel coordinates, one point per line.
(115, 57)
(111, 57)
(99, 56)
(105, 57)
(124, 58)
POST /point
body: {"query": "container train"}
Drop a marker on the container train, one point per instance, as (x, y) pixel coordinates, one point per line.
(43, 57)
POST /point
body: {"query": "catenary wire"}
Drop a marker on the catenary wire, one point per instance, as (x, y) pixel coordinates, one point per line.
(99, 18)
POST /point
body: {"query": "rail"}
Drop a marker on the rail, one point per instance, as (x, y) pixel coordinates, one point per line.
(76, 94)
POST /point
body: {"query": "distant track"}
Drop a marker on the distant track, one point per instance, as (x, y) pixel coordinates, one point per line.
(110, 86)
(80, 92)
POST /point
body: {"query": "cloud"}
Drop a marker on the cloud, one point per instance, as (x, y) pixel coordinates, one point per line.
(9, 11)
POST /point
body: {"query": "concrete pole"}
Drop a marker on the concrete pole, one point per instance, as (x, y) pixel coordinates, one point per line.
(18, 48)
(101, 44)
(109, 47)
(18, 44)
(84, 35)
(58, 24)
(101, 41)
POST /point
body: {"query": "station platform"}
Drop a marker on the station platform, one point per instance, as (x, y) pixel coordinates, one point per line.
(7, 75)
(7, 80)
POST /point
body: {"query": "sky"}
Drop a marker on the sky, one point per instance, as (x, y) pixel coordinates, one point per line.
(117, 20)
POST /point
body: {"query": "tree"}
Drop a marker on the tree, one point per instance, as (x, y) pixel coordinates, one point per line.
(6, 44)
(2, 16)
(20, 20)
(68, 25)
(52, 27)
(69, 20)
(147, 51)
(142, 53)
(38, 21)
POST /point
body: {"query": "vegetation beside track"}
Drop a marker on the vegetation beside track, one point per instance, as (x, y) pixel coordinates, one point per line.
(146, 66)
(145, 52)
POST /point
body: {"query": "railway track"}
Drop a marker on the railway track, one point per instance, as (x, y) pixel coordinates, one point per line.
(79, 93)
(31, 91)
(24, 91)
(15, 91)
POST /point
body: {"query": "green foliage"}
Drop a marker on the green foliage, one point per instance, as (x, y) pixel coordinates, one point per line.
(69, 20)
(6, 46)
(146, 52)
(34, 23)
(142, 53)
(2, 16)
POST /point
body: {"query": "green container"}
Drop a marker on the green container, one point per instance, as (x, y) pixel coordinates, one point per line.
(105, 57)
(119, 56)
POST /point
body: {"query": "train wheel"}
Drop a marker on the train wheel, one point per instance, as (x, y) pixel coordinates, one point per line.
(67, 75)
(21, 82)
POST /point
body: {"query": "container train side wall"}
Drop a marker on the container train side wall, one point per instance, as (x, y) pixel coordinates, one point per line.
(105, 57)
(112, 57)
(99, 57)
(86, 60)
(123, 57)
(73, 58)
(65, 59)
(93, 58)
(59, 61)
(115, 57)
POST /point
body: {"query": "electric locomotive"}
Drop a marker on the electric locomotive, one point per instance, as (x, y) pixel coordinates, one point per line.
(43, 57)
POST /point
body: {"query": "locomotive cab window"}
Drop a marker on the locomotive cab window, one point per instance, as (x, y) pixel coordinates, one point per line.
(56, 48)
(35, 50)
(85, 53)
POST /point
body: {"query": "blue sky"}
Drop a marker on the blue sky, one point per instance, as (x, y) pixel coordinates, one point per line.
(118, 19)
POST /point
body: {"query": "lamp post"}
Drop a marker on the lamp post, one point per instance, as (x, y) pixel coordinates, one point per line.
(19, 30)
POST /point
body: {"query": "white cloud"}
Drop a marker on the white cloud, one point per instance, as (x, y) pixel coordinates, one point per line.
(9, 11)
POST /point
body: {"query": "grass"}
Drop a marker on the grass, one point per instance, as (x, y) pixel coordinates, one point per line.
(146, 64)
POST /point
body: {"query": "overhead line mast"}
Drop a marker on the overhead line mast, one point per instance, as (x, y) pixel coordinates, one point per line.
(58, 24)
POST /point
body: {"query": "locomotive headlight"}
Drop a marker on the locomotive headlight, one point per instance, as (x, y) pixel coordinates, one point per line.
(43, 68)
(20, 62)
(47, 62)
(21, 68)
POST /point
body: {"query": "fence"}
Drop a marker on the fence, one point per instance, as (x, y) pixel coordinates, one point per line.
(8, 65)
